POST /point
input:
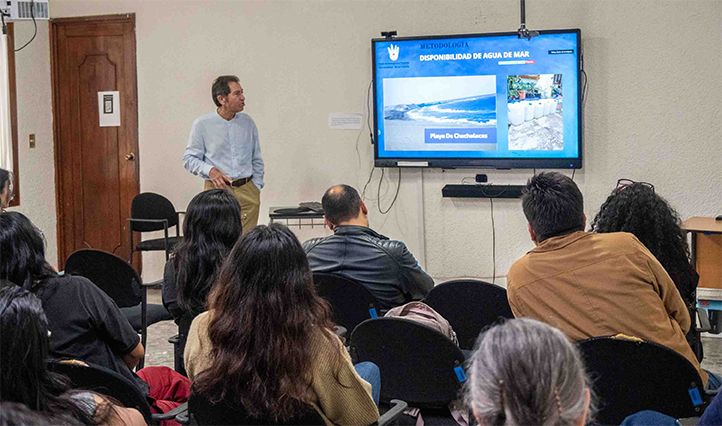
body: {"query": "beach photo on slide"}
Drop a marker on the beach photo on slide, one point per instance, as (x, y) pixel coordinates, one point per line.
(460, 106)
(534, 104)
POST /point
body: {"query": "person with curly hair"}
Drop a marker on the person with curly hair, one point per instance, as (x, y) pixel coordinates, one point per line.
(636, 208)
(592, 284)
(639, 210)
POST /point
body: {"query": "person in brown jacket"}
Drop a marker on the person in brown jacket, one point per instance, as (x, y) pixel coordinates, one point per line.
(591, 285)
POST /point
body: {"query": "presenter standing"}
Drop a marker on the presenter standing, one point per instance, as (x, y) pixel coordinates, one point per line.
(223, 149)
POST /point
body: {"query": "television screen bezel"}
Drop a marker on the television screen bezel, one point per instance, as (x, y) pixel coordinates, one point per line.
(481, 163)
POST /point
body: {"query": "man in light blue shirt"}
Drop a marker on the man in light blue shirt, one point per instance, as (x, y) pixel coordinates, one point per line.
(223, 149)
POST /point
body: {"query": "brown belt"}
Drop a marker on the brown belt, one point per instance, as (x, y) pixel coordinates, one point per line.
(241, 182)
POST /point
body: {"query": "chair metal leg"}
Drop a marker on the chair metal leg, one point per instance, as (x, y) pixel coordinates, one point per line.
(144, 325)
(167, 252)
(131, 245)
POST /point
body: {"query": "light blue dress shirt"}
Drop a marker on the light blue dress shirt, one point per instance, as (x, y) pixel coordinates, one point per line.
(231, 146)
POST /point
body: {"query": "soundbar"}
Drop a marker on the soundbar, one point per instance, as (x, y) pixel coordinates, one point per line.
(482, 191)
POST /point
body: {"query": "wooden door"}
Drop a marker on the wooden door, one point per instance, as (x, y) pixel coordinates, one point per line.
(96, 167)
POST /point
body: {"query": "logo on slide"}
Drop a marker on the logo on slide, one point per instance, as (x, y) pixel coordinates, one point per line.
(393, 52)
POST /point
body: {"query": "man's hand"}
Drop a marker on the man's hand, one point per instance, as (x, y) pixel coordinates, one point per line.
(219, 179)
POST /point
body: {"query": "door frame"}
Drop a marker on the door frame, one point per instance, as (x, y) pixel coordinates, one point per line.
(59, 211)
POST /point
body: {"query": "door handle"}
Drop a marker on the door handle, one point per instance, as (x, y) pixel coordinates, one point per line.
(130, 157)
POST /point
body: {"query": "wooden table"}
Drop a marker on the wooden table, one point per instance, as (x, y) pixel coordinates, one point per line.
(706, 250)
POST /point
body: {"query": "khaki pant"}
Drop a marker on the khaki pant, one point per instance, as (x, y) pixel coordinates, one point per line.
(249, 197)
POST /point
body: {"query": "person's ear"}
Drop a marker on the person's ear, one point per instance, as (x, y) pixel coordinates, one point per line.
(532, 234)
(364, 210)
(222, 99)
(330, 225)
(584, 221)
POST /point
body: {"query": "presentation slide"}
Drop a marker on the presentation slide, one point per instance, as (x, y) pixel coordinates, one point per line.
(477, 96)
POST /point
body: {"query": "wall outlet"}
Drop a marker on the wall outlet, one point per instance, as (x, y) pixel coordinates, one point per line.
(32, 140)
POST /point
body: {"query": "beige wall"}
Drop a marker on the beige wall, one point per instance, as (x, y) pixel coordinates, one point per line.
(649, 115)
(37, 171)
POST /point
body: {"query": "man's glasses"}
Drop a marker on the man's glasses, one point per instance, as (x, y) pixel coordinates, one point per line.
(623, 183)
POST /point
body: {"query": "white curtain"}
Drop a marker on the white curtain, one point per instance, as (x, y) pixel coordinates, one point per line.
(6, 147)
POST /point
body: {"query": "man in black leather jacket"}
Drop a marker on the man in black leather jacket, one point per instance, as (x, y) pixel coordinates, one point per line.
(385, 267)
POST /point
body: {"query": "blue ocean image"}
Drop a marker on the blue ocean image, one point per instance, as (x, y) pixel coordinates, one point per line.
(455, 104)
(463, 111)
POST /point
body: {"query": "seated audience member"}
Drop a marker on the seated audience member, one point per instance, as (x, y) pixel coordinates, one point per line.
(267, 343)
(6, 189)
(85, 323)
(524, 372)
(589, 284)
(26, 380)
(634, 207)
(385, 267)
(211, 227)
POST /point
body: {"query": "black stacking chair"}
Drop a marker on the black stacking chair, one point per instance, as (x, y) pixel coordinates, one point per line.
(153, 212)
(469, 305)
(201, 412)
(418, 364)
(350, 301)
(631, 376)
(107, 382)
(118, 279)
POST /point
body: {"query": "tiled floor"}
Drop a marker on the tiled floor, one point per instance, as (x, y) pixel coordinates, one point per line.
(160, 352)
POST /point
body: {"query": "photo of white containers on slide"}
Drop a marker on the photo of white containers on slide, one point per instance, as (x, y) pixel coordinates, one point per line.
(534, 104)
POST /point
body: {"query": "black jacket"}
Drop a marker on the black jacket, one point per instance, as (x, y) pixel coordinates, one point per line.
(385, 267)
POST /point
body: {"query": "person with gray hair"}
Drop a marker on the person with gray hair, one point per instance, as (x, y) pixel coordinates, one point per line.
(524, 372)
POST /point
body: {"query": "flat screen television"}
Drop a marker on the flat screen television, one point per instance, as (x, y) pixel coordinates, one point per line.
(478, 101)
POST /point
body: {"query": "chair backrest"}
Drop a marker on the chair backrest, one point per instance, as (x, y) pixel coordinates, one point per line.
(469, 305)
(226, 413)
(418, 364)
(149, 205)
(350, 301)
(104, 381)
(113, 275)
(631, 376)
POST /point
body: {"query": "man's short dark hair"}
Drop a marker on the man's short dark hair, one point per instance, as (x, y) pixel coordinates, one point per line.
(553, 205)
(221, 87)
(340, 203)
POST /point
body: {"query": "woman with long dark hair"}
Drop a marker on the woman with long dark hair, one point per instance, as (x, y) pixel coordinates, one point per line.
(24, 377)
(86, 324)
(636, 208)
(211, 227)
(267, 342)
